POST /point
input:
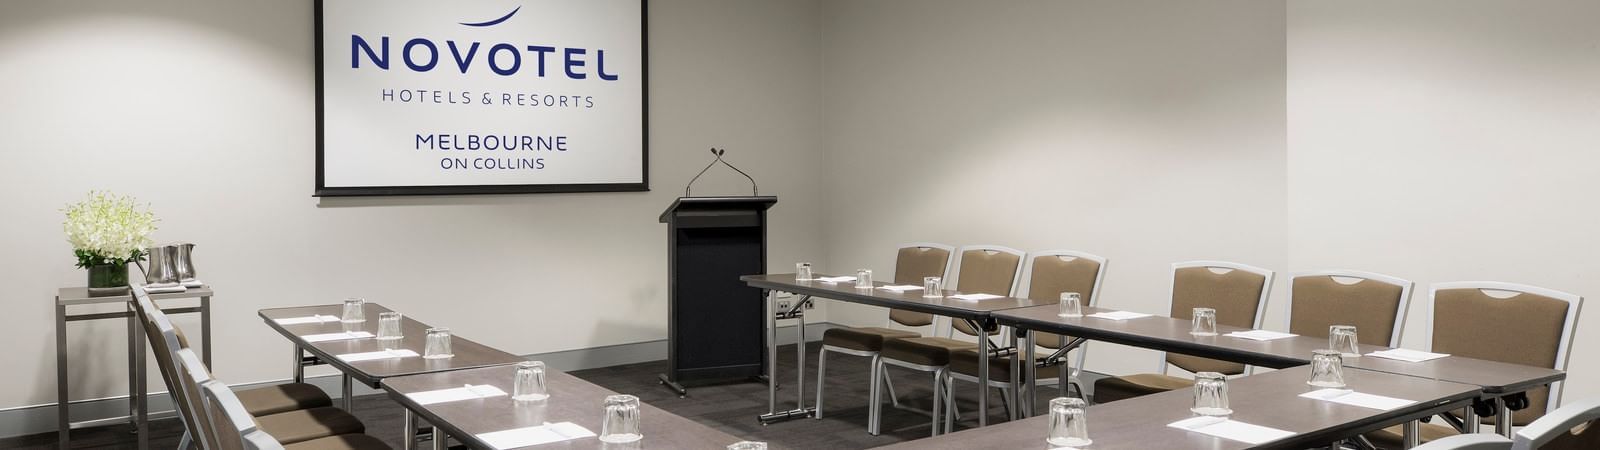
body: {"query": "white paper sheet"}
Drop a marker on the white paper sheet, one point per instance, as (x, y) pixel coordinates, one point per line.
(1406, 355)
(468, 392)
(165, 289)
(1260, 335)
(1353, 398)
(381, 354)
(336, 336)
(319, 318)
(901, 288)
(1231, 429)
(974, 297)
(530, 436)
(1118, 315)
(832, 280)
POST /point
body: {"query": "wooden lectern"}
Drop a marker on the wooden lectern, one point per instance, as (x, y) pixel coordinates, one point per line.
(716, 331)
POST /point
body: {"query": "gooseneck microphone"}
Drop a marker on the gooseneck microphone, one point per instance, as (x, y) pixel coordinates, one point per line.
(754, 191)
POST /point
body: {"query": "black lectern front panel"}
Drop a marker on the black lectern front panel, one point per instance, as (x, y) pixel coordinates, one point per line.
(717, 325)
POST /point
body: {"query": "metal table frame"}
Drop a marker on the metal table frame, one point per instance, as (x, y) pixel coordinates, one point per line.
(138, 401)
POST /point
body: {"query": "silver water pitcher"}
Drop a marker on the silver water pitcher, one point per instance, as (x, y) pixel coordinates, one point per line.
(162, 270)
(183, 262)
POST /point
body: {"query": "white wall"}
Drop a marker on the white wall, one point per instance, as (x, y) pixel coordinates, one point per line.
(205, 110)
(1144, 131)
(1449, 141)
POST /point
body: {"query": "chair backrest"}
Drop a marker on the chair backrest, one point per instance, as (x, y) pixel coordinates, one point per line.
(1466, 441)
(1047, 274)
(1374, 303)
(1573, 426)
(914, 262)
(226, 417)
(986, 269)
(1237, 291)
(1519, 324)
(193, 378)
(147, 313)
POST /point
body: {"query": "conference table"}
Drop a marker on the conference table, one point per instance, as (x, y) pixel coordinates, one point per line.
(1268, 399)
(1495, 380)
(373, 373)
(978, 314)
(571, 400)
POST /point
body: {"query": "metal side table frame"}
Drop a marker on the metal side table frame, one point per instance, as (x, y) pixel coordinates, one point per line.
(138, 402)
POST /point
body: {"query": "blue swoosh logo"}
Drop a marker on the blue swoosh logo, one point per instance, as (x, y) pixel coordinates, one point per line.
(496, 21)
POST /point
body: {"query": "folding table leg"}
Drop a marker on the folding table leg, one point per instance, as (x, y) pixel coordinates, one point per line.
(1412, 436)
(410, 430)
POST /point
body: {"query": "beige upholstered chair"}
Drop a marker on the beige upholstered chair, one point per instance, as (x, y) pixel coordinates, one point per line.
(1504, 322)
(1239, 294)
(988, 269)
(1045, 276)
(1374, 303)
(1573, 426)
(912, 263)
(233, 428)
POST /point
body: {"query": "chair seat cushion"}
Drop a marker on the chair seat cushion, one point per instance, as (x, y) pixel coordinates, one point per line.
(1111, 389)
(268, 400)
(926, 351)
(965, 362)
(307, 424)
(1392, 438)
(867, 339)
(340, 442)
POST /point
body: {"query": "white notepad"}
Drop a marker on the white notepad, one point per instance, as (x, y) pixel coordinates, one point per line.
(901, 288)
(1353, 398)
(468, 392)
(319, 318)
(1401, 354)
(336, 336)
(165, 289)
(381, 354)
(1118, 315)
(1229, 429)
(835, 279)
(530, 436)
(974, 297)
(1260, 335)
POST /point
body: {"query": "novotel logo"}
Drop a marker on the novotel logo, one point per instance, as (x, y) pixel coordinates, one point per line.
(422, 54)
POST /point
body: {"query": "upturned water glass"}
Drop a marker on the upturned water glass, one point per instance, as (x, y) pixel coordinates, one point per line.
(1069, 425)
(1210, 394)
(1342, 338)
(529, 384)
(802, 271)
(932, 287)
(355, 310)
(1071, 305)
(438, 344)
(621, 423)
(864, 279)
(1327, 369)
(389, 326)
(1204, 323)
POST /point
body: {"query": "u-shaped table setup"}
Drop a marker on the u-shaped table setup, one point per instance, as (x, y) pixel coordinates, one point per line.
(1270, 399)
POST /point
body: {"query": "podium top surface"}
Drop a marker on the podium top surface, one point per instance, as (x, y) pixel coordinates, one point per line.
(718, 203)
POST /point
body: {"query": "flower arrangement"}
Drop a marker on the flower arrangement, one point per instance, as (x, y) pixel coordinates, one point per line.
(106, 232)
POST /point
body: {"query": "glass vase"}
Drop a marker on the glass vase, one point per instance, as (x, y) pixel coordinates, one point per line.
(107, 280)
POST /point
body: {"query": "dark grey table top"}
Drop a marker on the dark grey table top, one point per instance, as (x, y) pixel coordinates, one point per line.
(468, 354)
(571, 400)
(1169, 334)
(909, 300)
(1268, 399)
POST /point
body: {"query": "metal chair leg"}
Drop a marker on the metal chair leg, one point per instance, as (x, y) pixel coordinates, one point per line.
(889, 382)
(875, 397)
(938, 394)
(822, 372)
(1006, 396)
(950, 404)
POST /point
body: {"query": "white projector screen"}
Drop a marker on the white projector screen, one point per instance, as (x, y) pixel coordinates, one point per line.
(480, 96)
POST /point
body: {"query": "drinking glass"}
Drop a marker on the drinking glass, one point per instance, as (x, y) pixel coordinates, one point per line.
(355, 310)
(389, 326)
(1327, 369)
(1210, 394)
(802, 271)
(864, 279)
(1071, 305)
(621, 424)
(1204, 323)
(1069, 426)
(529, 385)
(748, 445)
(1342, 338)
(931, 287)
(438, 345)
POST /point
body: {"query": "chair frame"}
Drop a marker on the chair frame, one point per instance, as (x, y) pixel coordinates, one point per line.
(1574, 306)
(1406, 289)
(822, 354)
(1561, 420)
(1261, 303)
(940, 373)
(1468, 442)
(1023, 289)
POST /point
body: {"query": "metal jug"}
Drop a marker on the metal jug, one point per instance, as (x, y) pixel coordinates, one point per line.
(183, 262)
(161, 272)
